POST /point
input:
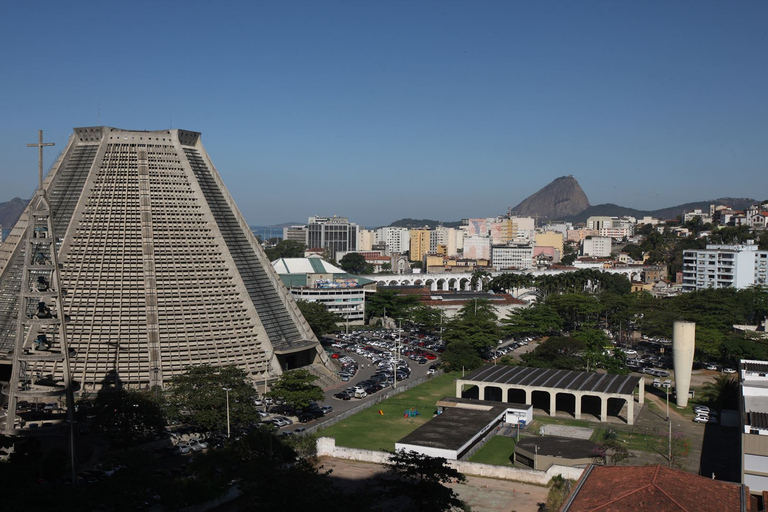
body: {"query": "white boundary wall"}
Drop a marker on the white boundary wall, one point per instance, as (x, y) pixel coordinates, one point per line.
(326, 447)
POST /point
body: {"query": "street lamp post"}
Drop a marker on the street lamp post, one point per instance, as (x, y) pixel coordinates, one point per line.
(227, 391)
(157, 382)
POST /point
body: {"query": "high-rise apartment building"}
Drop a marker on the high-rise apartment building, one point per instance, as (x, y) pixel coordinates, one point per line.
(722, 266)
(419, 243)
(157, 270)
(398, 240)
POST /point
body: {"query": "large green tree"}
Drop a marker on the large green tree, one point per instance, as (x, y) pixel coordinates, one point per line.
(426, 317)
(537, 320)
(461, 355)
(476, 324)
(320, 320)
(297, 388)
(199, 397)
(127, 416)
(561, 353)
(355, 263)
(722, 393)
(390, 303)
(286, 249)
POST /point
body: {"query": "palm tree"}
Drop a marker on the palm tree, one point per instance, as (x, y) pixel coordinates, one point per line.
(722, 393)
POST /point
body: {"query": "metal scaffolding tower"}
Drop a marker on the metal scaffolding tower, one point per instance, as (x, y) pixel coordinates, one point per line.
(40, 370)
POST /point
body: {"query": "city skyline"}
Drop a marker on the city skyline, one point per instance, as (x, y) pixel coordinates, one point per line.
(380, 111)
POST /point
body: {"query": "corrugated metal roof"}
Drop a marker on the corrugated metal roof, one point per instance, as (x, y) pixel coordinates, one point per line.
(555, 379)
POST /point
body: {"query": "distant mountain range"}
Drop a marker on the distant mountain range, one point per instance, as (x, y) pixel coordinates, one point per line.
(421, 223)
(10, 211)
(564, 200)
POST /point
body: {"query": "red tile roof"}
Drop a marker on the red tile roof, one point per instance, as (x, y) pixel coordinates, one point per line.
(652, 489)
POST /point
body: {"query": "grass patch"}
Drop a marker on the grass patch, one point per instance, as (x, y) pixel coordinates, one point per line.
(497, 451)
(369, 430)
(632, 440)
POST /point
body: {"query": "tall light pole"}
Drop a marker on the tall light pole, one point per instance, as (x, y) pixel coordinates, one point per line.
(157, 382)
(227, 391)
(397, 349)
(441, 326)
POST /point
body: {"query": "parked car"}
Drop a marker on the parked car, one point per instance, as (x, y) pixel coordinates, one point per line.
(701, 419)
(729, 370)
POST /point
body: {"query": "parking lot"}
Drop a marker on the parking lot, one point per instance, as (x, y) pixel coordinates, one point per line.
(364, 357)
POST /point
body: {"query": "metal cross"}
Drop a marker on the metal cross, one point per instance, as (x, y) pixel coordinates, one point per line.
(40, 144)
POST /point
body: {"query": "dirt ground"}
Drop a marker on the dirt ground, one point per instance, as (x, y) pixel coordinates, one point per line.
(482, 494)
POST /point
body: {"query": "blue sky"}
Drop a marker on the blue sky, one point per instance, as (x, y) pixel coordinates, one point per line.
(426, 109)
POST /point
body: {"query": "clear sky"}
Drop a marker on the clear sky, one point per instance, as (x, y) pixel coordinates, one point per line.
(379, 110)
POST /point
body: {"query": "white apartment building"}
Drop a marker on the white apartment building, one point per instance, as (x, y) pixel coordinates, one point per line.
(397, 239)
(612, 227)
(512, 257)
(598, 247)
(721, 266)
(704, 217)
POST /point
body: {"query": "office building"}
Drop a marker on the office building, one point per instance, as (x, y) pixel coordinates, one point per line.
(334, 234)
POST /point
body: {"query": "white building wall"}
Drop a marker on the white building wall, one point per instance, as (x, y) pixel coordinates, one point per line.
(598, 247)
(720, 266)
(397, 239)
(512, 256)
(365, 238)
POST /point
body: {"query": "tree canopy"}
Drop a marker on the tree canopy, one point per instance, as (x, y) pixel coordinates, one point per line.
(286, 249)
(355, 263)
(297, 388)
(320, 320)
(126, 416)
(199, 396)
(391, 304)
(474, 324)
(537, 320)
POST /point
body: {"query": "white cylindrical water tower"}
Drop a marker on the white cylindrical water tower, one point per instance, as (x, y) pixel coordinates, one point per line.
(683, 344)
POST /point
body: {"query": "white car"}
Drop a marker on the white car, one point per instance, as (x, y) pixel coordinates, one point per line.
(711, 367)
(729, 370)
(701, 419)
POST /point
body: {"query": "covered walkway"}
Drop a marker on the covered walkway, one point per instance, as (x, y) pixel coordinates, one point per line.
(555, 390)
